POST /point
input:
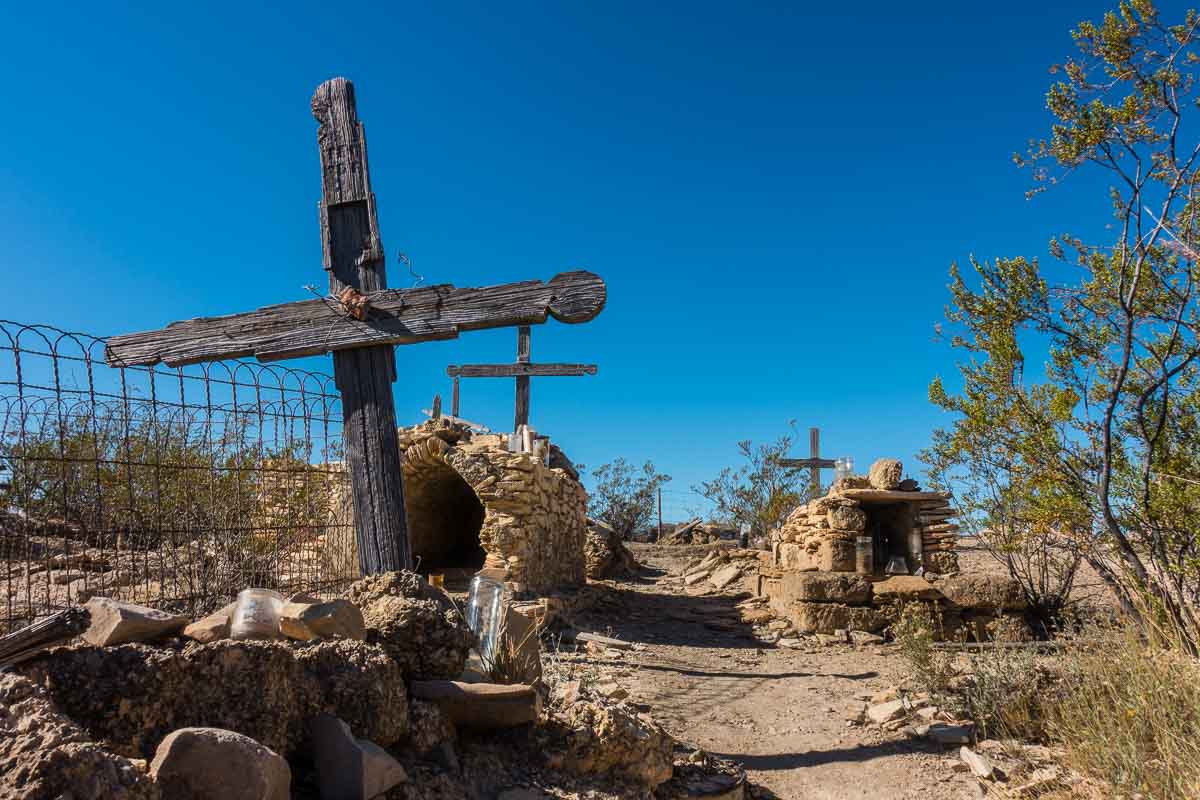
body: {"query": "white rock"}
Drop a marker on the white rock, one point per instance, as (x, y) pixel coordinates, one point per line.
(885, 712)
(980, 766)
(116, 622)
(725, 575)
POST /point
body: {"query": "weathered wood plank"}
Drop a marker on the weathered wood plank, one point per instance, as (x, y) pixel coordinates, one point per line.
(521, 404)
(353, 255)
(516, 370)
(891, 495)
(395, 316)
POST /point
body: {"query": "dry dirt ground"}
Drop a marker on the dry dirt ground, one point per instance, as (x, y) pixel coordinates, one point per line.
(781, 712)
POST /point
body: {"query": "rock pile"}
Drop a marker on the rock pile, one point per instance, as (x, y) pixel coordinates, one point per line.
(902, 519)
(723, 568)
(697, 532)
(605, 555)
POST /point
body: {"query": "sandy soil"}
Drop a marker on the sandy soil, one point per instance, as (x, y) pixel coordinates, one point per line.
(781, 712)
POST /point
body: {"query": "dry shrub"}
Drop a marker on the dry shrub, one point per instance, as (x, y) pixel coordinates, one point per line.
(1006, 692)
(510, 662)
(1130, 712)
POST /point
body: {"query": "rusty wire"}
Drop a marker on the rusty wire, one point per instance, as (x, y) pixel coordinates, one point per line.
(171, 487)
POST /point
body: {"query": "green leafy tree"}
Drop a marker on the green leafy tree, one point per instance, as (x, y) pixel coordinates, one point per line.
(1101, 443)
(624, 497)
(760, 493)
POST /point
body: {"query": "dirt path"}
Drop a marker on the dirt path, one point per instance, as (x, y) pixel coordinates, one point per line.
(781, 712)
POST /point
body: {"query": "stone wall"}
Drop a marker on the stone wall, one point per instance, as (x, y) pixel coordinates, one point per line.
(472, 503)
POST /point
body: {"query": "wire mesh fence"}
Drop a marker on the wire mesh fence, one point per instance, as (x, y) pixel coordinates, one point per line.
(173, 487)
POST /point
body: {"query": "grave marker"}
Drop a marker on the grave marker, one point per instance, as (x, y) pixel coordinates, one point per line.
(359, 322)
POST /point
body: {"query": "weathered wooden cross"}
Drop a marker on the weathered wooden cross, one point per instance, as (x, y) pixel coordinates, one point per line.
(359, 322)
(814, 462)
(522, 370)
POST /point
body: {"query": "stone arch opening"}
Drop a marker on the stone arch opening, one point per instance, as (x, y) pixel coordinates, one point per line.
(445, 518)
(890, 525)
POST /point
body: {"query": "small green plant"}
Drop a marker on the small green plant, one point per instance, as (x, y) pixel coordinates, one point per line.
(916, 630)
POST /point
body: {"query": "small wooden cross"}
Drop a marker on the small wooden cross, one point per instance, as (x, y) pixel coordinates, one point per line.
(522, 370)
(814, 462)
(359, 322)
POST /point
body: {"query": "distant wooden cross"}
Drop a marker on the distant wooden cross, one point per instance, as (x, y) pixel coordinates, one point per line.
(522, 370)
(814, 462)
(359, 322)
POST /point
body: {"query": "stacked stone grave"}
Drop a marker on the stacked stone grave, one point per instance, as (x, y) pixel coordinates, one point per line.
(529, 513)
(813, 583)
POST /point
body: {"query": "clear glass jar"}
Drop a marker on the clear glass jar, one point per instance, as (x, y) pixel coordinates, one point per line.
(487, 603)
(864, 555)
(256, 615)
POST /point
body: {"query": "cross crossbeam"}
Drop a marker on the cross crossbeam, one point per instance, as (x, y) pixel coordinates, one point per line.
(814, 463)
(522, 369)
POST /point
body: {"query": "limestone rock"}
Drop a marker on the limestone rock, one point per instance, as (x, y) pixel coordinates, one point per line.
(985, 592)
(213, 627)
(335, 618)
(132, 696)
(45, 756)
(117, 622)
(811, 618)
(886, 473)
(847, 518)
(416, 624)
(216, 764)
(978, 762)
(861, 638)
(725, 575)
(826, 587)
(850, 482)
(605, 555)
(350, 768)
(886, 712)
(612, 739)
(905, 587)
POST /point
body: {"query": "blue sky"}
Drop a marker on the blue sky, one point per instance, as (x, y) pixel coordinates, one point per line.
(773, 192)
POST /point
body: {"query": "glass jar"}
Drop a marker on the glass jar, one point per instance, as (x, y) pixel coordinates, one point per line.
(487, 604)
(256, 615)
(864, 555)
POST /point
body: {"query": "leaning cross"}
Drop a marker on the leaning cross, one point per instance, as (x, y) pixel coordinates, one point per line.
(814, 462)
(359, 323)
(522, 370)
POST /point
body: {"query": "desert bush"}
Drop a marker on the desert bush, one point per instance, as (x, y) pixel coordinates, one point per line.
(1007, 693)
(624, 498)
(1129, 713)
(759, 494)
(1078, 388)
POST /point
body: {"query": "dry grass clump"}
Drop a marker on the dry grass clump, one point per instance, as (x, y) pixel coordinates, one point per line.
(1130, 712)
(1007, 693)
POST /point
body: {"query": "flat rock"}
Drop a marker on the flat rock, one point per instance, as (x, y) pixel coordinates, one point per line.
(725, 575)
(983, 592)
(905, 587)
(886, 712)
(825, 587)
(945, 733)
(695, 577)
(307, 621)
(863, 638)
(481, 706)
(213, 627)
(811, 618)
(117, 622)
(216, 764)
(350, 768)
(977, 762)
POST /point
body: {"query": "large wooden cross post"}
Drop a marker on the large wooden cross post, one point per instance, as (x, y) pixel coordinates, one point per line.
(522, 370)
(814, 462)
(359, 322)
